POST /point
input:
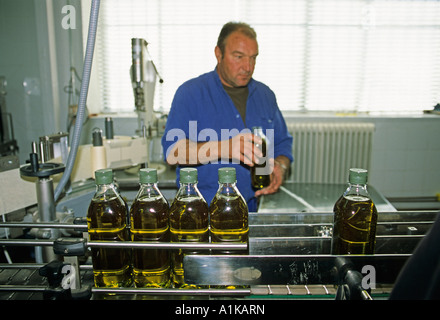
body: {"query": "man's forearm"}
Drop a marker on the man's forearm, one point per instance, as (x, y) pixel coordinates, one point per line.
(284, 163)
(187, 152)
(240, 148)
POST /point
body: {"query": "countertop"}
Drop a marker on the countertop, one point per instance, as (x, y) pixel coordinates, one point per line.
(313, 197)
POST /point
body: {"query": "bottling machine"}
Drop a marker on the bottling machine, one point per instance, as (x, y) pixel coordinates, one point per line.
(289, 256)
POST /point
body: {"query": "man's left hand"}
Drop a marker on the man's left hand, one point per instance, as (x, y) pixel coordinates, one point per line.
(276, 180)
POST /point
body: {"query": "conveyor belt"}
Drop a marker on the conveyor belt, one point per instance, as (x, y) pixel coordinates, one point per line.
(288, 258)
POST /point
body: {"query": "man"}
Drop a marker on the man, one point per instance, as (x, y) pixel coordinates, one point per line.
(210, 116)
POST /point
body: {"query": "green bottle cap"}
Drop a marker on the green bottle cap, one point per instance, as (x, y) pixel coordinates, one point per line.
(226, 175)
(104, 176)
(147, 175)
(188, 175)
(358, 176)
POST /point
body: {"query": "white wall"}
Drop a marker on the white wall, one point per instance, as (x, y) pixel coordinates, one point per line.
(405, 152)
(406, 156)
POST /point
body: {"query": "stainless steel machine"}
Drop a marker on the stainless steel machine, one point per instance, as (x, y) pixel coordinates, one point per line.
(143, 78)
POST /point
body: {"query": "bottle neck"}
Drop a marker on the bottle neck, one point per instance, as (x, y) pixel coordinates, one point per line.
(105, 191)
(259, 133)
(105, 187)
(357, 189)
(149, 189)
(228, 188)
(188, 189)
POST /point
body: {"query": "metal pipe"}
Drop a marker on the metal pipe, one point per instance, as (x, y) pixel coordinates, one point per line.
(84, 226)
(51, 225)
(174, 291)
(31, 266)
(21, 265)
(45, 200)
(167, 245)
(26, 242)
(131, 245)
(46, 213)
(22, 288)
(170, 291)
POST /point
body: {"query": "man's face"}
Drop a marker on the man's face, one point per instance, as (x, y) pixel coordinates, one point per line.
(236, 65)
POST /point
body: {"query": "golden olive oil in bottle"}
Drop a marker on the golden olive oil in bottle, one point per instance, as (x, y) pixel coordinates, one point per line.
(260, 179)
(355, 218)
(149, 222)
(228, 212)
(189, 222)
(107, 221)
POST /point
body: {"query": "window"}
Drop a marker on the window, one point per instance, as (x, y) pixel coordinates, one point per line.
(330, 55)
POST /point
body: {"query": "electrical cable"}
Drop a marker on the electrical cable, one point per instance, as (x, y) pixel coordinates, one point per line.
(93, 24)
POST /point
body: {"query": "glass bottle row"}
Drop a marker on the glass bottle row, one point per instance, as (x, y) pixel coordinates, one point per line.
(188, 219)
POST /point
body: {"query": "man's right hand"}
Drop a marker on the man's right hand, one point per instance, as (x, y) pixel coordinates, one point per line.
(242, 147)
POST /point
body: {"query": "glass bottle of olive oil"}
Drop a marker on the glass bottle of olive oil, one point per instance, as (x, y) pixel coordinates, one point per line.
(260, 179)
(355, 218)
(149, 222)
(228, 211)
(107, 221)
(189, 221)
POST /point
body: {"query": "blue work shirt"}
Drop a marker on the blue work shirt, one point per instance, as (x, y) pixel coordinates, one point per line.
(201, 108)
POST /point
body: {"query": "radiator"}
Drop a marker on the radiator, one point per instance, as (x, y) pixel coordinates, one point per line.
(324, 152)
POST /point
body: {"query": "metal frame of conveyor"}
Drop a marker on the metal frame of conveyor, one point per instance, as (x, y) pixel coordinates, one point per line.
(289, 256)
